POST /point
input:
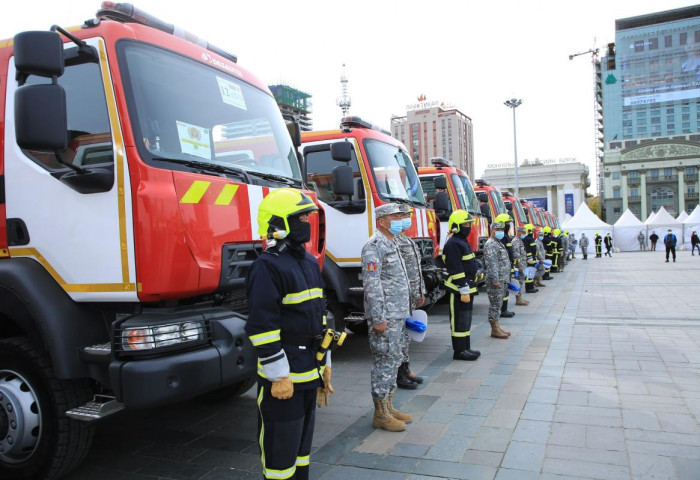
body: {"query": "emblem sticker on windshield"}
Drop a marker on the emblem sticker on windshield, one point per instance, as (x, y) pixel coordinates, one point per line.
(231, 93)
(194, 140)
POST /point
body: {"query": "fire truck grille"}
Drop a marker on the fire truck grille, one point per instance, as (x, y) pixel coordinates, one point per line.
(425, 245)
(236, 259)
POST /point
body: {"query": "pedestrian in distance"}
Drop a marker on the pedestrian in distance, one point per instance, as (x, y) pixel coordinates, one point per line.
(520, 262)
(608, 244)
(387, 302)
(653, 238)
(670, 242)
(642, 241)
(598, 245)
(572, 246)
(286, 317)
(497, 276)
(694, 243)
(462, 269)
(583, 243)
(411, 255)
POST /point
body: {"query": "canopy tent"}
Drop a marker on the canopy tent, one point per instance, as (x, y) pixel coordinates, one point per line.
(585, 221)
(681, 218)
(650, 218)
(662, 222)
(692, 223)
(627, 230)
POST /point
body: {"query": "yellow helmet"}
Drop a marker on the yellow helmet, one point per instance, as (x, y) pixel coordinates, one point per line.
(503, 218)
(566, 232)
(457, 218)
(277, 207)
(547, 230)
(557, 232)
(529, 228)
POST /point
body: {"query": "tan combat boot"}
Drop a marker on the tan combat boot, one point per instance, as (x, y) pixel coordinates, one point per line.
(505, 332)
(404, 417)
(538, 282)
(495, 331)
(519, 300)
(383, 419)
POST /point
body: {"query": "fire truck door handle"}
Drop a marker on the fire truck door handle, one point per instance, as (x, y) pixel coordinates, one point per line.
(17, 233)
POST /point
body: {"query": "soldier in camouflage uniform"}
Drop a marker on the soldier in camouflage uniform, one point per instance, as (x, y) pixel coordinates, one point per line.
(564, 249)
(497, 275)
(412, 258)
(540, 256)
(387, 304)
(519, 262)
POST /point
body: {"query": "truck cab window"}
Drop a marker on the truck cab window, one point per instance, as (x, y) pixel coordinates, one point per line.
(319, 165)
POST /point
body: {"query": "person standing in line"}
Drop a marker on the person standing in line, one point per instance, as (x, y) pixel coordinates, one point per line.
(505, 219)
(539, 276)
(387, 303)
(563, 249)
(670, 242)
(583, 243)
(530, 245)
(286, 313)
(572, 245)
(653, 238)
(598, 245)
(608, 244)
(694, 243)
(549, 247)
(520, 262)
(642, 241)
(409, 251)
(462, 269)
(497, 276)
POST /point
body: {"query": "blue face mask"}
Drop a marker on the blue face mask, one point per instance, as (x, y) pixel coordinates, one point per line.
(406, 223)
(523, 236)
(396, 227)
(500, 235)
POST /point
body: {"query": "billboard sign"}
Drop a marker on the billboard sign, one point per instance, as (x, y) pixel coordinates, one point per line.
(569, 203)
(539, 202)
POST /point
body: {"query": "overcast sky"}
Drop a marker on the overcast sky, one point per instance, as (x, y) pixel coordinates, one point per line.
(472, 54)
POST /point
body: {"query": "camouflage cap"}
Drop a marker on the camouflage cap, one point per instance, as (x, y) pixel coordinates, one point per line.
(405, 208)
(521, 228)
(497, 226)
(388, 209)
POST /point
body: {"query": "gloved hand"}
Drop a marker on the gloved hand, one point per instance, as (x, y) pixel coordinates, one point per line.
(465, 298)
(282, 389)
(323, 394)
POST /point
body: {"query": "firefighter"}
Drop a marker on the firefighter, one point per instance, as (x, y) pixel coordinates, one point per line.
(287, 316)
(505, 219)
(558, 264)
(608, 241)
(598, 245)
(530, 257)
(462, 268)
(550, 248)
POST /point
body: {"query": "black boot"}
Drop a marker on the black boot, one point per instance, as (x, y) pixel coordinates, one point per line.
(407, 372)
(469, 348)
(530, 288)
(504, 310)
(402, 380)
(465, 355)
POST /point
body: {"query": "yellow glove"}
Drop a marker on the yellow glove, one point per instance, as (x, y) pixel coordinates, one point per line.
(323, 394)
(282, 389)
(465, 297)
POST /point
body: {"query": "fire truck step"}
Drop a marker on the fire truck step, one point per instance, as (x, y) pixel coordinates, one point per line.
(354, 318)
(97, 353)
(100, 407)
(356, 290)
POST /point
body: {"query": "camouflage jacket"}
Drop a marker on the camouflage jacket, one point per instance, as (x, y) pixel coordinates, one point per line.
(519, 255)
(540, 249)
(564, 243)
(497, 262)
(385, 280)
(411, 257)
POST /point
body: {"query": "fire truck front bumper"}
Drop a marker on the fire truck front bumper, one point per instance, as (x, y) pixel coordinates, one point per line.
(216, 353)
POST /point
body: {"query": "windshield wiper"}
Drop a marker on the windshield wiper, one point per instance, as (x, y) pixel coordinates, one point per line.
(278, 178)
(207, 167)
(407, 201)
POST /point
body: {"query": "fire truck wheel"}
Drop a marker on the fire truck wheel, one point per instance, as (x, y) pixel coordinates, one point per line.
(37, 440)
(230, 391)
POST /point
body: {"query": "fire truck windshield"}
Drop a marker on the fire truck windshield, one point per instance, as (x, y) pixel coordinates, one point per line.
(465, 190)
(394, 173)
(184, 110)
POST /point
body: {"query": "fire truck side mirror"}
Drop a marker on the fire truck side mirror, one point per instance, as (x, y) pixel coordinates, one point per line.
(442, 205)
(343, 180)
(295, 132)
(509, 206)
(440, 182)
(341, 151)
(38, 53)
(41, 119)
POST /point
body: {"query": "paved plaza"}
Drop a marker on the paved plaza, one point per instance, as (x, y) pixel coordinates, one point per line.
(599, 380)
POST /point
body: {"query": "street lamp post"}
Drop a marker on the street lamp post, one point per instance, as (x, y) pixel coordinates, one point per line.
(514, 103)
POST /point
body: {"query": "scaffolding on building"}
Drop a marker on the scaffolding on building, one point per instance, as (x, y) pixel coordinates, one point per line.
(294, 104)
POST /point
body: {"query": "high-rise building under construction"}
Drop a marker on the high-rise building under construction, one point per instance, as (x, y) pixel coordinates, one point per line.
(294, 103)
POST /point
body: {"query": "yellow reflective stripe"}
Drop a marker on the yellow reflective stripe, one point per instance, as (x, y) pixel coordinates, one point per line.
(286, 473)
(226, 195)
(265, 337)
(303, 461)
(472, 290)
(451, 285)
(468, 257)
(452, 312)
(460, 334)
(299, 297)
(196, 191)
(301, 377)
(457, 276)
(262, 427)
(444, 258)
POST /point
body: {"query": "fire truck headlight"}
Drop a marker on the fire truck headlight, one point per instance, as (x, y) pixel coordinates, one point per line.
(155, 337)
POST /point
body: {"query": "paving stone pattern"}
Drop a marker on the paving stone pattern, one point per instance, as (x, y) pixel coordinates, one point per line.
(599, 380)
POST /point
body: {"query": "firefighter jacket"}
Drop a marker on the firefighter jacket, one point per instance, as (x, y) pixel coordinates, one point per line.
(385, 280)
(461, 265)
(598, 240)
(530, 249)
(550, 244)
(286, 315)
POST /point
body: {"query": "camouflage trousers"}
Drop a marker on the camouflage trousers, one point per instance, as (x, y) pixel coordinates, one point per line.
(496, 296)
(405, 343)
(386, 350)
(521, 278)
(540, 271)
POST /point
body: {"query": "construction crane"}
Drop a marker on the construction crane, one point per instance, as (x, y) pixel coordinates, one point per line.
(597, 113)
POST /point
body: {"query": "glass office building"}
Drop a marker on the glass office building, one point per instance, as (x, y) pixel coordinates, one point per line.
(651, 111)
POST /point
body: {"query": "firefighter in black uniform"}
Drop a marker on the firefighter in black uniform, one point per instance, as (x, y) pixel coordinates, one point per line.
(550, 248)
(598, 245)
(506, 241)
(462, 269)
(531, 254)
(285, 321)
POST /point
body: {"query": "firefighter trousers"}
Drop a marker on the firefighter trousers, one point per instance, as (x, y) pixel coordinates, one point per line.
(460, 322)
(285, 431)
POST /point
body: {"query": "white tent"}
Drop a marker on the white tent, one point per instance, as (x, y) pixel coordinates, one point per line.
(627, 230)
(692, 223)
(585, 221)
(650, 218)
(682, 216)
(662, 222)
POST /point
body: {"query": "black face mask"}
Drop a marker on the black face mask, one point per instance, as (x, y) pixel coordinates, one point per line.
(463, 232)
(299, 232)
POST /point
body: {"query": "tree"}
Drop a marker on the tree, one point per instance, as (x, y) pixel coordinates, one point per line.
(594, 205)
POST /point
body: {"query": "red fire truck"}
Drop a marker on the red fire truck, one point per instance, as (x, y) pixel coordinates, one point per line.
(515, 209)
(533, 216)
(490, 200)
(353, 170)
(134, 159)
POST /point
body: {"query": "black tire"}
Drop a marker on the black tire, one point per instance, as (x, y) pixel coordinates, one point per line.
(59, 443)
(230, 391)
